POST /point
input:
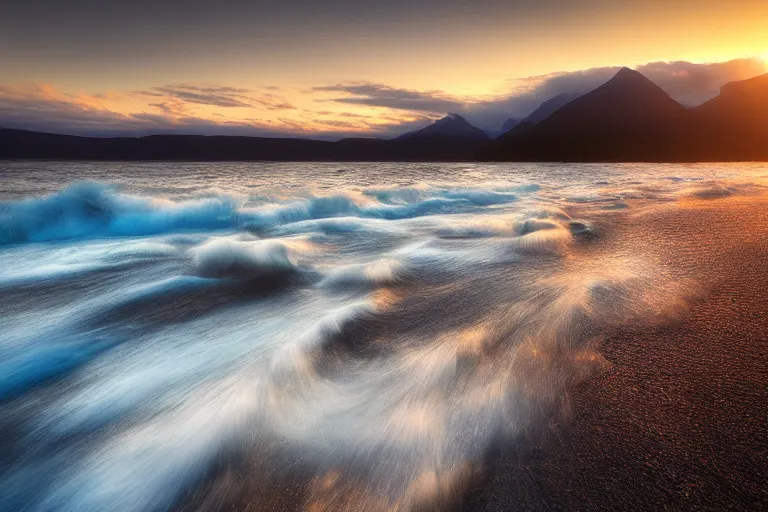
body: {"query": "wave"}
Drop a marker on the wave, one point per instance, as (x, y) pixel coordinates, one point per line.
(91, 210)
(94, 210)
(26, 264)
(365, 275)
(225, 257)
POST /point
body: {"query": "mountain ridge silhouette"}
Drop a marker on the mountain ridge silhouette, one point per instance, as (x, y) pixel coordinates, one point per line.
(626, 119)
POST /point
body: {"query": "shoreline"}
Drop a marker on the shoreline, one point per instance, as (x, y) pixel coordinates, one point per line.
(679, 422)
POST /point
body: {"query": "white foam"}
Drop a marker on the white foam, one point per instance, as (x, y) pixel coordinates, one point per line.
(225, 257)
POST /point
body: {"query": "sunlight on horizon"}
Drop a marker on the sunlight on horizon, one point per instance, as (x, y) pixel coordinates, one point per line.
(363, 71)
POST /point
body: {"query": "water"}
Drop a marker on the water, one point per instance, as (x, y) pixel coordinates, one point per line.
(336, 336)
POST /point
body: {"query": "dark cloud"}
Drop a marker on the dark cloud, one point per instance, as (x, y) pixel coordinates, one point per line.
(218, 96)
(380, 95)
(272, 102)
(367, 125)
(171, 106)
(202, 95)
(345, 125)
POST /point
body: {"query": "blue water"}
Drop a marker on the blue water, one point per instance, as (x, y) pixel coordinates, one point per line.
(373, 328)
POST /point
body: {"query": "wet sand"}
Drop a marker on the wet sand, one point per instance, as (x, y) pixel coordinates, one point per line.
(681, 420)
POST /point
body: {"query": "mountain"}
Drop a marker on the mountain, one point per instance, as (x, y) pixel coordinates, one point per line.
(629, 118)
(509, 124)
(449, 138)
(548, 107)
(543, 111)
(451, 126)
(734, 125)
(742, 101)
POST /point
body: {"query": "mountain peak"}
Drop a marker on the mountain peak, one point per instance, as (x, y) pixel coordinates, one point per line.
(453, 118)
(630, 86)
(452, 125)
(626, 74)
(627, 118)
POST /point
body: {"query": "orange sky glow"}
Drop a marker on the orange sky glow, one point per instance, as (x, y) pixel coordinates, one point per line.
(298, 81)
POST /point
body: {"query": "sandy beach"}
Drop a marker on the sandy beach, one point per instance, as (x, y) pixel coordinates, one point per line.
(680, 421)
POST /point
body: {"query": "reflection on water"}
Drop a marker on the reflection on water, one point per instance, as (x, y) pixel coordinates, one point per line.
(232, 333)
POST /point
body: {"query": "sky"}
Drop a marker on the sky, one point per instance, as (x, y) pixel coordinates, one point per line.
(336, 68)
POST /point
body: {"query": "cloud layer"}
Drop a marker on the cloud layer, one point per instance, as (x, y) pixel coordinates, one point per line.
(381, 95)
(218, 96)
(42, 108)
(370, 109)
(689, 83)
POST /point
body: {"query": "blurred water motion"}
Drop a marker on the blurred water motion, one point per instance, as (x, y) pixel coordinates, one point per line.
(232, 333)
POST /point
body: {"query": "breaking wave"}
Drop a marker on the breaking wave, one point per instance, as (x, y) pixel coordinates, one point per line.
(225, 257)
(90, 210)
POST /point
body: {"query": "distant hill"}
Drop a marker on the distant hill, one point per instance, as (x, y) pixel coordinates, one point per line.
(25, 144)
(451, 126)
(629, 118)
(451, 138)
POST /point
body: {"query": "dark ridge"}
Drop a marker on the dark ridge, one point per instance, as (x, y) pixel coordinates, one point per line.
(450, 138)
(629, 118)
(21, 144)
(548, 107)
(542, 112)
(452, 125)
(734, 125)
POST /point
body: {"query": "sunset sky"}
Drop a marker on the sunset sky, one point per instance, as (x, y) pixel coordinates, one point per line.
(340, 67)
